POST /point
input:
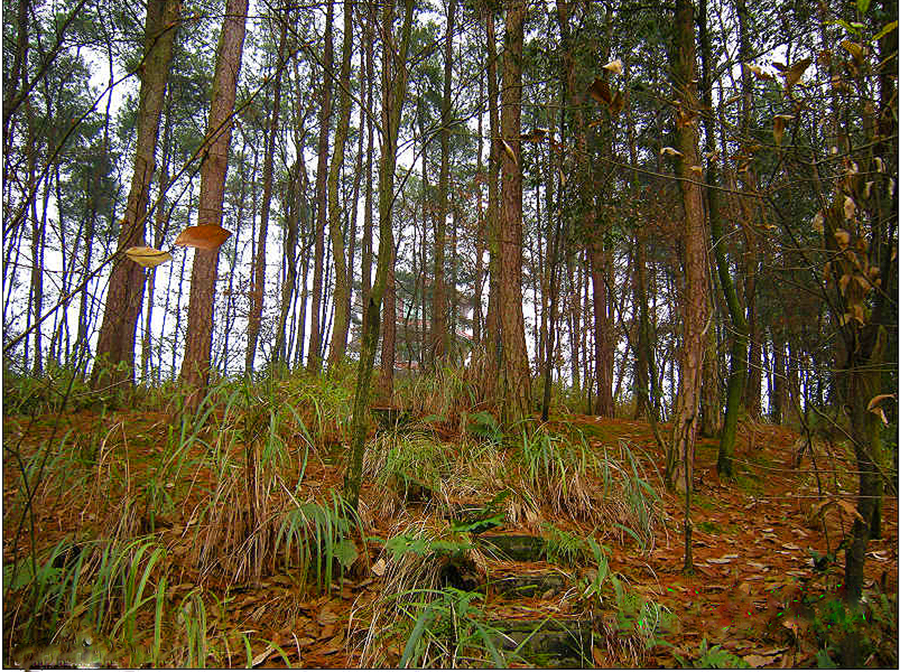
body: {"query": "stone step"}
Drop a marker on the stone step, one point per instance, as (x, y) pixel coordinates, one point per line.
(548, 643)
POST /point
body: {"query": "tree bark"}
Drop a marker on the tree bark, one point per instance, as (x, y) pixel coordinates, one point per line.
(679, 464)
(493, 343)
(196, 364)
(115, 346)
(394, 76)
(439, 307)
(314, 357)
(516, 404)
(342, 279)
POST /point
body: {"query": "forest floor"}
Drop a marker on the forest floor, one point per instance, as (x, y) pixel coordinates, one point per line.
(764, 590)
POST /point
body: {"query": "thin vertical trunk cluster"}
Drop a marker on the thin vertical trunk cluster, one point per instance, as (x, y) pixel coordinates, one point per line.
(439, 333)
(257, 287)
(115, 348)
(393, 93)
(342, 278)
(316, 330)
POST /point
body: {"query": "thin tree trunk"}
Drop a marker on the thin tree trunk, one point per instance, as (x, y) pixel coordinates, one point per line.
(115, 347)
(258, 284)
(439, 298)
(679, 464)
(342, 278)
(314, 361)
(196, 365)
(492, 322)
(394, 76)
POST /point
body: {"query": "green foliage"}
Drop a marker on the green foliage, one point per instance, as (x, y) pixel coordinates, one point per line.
(321, 536)
(484, 425)
(399, 545)
(91, 586)
(447, 629)
(715, 657)
(870, 626)
(56, 389)
(564, 547)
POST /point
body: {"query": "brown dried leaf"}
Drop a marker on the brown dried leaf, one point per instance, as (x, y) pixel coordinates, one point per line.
(849, 208)
(855, 50)
(842, 238)
(510, 152)
(875, 401)
(614, 67)
(843, 282)
(536, 135)
(618, 102)
(793, 75)
(203, 236)
(758, 71)
(147, 257)
(599, 91)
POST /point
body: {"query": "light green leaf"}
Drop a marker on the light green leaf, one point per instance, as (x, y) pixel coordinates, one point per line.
(862, 6)
(884, 31)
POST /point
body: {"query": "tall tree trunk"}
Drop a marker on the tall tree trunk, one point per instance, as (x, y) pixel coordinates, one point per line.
(196, 364)
(516, 374)
(439, 307)
(314, 361)
(679, 463)
(292, 196)
(394, 75)
(115, 346)
(492, 322)
(366, 273)
(738, 355)
(389, 333)
(258, 284)
(342, 278)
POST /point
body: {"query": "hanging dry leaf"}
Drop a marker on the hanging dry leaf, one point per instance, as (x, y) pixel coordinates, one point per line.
(842, 237)
(599, 91)
(758, 71)
(671, 151)
(562, 177)
(818, 222)
(203, 236)
(826, 271)
(862, 283)
(614, 67)
(510, 152)
(793, 75)
(147, 257)
(780, 122)
(857, 313)
(849, 208)
(536, 135)
(843, 282)
(855, 50)
(879, 164)
(697, 169)
(618, 102)
(875, 401)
